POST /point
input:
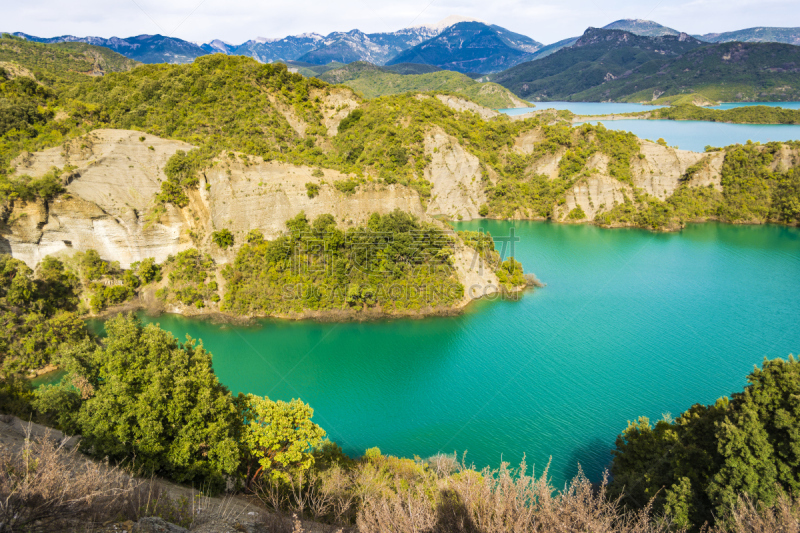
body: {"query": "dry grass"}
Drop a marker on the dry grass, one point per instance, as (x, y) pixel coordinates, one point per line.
(44, 487)
(500, 501)
(750, 517)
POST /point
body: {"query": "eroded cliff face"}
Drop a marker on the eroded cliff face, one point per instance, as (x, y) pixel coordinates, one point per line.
(458, 190)
(110, 201)
(594, 194)
(110, 191)
(241, 196)
(660, 171)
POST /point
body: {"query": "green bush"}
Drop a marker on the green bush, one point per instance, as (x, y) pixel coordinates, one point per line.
(312, 189)
(698, 465)
(576, 214)
(222, 238)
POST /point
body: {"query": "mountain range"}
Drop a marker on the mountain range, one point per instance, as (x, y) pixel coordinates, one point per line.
(455, 43)
(616, 65)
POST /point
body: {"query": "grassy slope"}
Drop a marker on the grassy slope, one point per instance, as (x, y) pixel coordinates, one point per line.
(372, 82)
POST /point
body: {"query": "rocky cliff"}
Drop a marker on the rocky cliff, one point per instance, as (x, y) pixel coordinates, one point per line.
(116, 174)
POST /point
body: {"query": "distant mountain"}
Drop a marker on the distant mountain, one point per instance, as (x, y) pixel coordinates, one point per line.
(545, 51)
(645, 28)
(144, 48)
(598, 56)
(756, 35)
(373, 81)
(726, 72)
(285, 49)
(471, 47)
(376, 48)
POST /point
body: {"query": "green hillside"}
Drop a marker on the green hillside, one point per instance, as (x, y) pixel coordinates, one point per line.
(759, 114)
(51, 63)
(598, 56)
(234, 103)
(619, 66)
(373, 81)
(726, 72)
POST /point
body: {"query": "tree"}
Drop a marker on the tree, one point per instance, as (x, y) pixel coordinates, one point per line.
(223, 238)
(157, 402)
(699, 464)
(280, 436)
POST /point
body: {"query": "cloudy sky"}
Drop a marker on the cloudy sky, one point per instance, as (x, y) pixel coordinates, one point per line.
(544, 20)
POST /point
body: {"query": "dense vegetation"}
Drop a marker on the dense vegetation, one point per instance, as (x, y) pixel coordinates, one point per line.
(598, 56)
(739, 115)
(39, 313)
(698, 465)
(233, 103)
(33, 77)
(373, 81)
(619, 66)
(394, 263)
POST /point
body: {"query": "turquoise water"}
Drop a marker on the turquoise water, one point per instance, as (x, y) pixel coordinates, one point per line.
(631, 323)
(731, 105)
(696, 135)
(605, 108)
(585, 108)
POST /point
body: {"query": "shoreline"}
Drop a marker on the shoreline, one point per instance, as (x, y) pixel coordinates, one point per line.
(321, 316)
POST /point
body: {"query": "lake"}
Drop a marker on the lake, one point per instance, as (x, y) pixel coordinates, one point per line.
(696, 135)
(606, 108)
(630, 323)
(685, 134)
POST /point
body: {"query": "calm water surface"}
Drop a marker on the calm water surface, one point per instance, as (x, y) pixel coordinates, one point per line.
(685, 134)
(631, 323)
(696, 135)
(605, 108)
(585, 108)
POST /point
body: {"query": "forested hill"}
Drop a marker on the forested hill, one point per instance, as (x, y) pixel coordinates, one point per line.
(373, 81)
(599, 55)
(64, 61)
(620, 66)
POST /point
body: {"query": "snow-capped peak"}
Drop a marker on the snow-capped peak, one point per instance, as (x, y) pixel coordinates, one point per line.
(448, 21)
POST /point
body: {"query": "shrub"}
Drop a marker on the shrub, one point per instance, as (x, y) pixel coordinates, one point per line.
(576, 214)
(222, 238)
(312, 189)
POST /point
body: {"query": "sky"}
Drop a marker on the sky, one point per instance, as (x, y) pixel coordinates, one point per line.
(546, 21)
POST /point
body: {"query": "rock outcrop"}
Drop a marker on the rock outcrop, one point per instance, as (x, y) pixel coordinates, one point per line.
(594, 194)
(337, 104)
(456, 176)
(462, 104)
(660, 171)
(110, 191)
(239, 195)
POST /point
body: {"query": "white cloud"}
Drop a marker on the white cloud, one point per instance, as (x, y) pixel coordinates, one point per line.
(544, 20)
